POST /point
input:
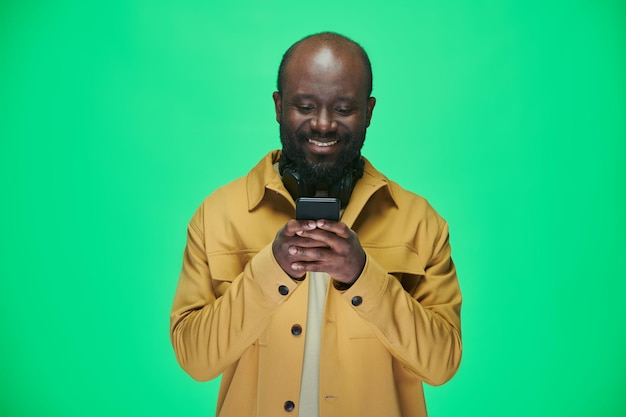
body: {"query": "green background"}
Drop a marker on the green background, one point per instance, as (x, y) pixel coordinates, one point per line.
(118, 117)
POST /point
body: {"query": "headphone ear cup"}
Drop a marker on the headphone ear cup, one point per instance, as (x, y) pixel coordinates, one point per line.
(342, 189)
(347, 184)
(294, 183)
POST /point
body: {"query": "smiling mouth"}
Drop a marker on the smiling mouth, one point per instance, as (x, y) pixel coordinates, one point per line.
(322, 144)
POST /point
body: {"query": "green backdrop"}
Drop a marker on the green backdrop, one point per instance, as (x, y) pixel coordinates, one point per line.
(118, 117)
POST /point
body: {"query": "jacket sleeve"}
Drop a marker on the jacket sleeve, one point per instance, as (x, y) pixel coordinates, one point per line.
(210, 332)
(420, 327)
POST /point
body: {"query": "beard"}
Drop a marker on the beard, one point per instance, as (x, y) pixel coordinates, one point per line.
(322, 173)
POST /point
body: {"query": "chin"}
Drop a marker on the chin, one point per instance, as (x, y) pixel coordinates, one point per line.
(324, 160)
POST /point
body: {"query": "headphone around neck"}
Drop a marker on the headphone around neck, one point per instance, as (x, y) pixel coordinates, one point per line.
(342, 189)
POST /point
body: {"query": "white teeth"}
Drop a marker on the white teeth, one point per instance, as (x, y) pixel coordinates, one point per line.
(322, 144)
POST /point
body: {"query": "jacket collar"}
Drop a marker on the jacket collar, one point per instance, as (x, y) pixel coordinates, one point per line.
(263, 178)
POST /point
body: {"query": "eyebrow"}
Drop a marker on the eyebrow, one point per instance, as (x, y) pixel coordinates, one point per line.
(306, 96)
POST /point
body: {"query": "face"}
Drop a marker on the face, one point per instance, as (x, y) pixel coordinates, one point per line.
(323, 111)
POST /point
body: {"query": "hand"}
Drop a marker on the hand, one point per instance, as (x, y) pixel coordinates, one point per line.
(319, 246)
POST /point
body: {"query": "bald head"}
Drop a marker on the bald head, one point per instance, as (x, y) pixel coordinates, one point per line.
(325, 45)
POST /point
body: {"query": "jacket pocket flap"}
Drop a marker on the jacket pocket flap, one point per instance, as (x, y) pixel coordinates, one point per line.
(397, 259)
(227, 266)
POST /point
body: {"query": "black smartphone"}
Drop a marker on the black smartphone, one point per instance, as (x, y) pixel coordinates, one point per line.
(315, 208)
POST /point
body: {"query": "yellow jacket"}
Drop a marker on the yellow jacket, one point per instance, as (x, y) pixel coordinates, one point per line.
(396, 327)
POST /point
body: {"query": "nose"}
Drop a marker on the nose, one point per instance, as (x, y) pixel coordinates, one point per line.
(323, 123)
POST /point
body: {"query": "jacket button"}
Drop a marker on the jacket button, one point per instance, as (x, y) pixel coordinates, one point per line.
(356, 300)
(296, 330)
(283, 290)
(289, 406)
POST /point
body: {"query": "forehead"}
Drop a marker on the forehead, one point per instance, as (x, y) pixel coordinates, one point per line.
(325, 69)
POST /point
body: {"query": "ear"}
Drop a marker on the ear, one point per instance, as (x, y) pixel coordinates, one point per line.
(278, 105)
(371, 102)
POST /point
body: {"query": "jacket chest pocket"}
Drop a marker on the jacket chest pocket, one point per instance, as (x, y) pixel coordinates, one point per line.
(225, 267)
(401, 262)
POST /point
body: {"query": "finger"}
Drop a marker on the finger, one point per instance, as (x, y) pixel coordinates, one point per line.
(307, 242)
(338, 228)
(334, 234)
(301, 266)
(310, 254)
(319, 238)
(296, 227)
(314, 266)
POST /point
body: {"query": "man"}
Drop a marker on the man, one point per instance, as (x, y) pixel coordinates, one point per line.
(318, 318)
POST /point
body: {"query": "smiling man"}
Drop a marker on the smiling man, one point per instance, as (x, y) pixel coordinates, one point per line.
(318, 318)
(320, 77)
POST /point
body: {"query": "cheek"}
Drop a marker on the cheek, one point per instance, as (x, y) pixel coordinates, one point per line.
(300, 124)
(356, 124)
(293, 122)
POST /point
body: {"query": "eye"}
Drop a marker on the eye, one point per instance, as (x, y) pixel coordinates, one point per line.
(305, 108)
(344, 111)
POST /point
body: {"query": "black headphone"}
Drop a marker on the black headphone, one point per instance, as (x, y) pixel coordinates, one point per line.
(342, 189)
